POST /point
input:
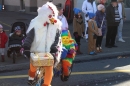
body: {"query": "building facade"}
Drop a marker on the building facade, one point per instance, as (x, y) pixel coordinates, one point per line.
(27, 5)
(32, 5)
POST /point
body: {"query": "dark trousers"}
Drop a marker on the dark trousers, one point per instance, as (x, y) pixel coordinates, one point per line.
(99, 41)
(111, 35)
(77, 39)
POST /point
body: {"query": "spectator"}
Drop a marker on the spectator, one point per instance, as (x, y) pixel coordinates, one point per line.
(3, 41)
(101, 23)
(92, 34)
(78, 27)
(15, 41)
(89, 6)
(62, 18)
(113, 19)
(122, 16)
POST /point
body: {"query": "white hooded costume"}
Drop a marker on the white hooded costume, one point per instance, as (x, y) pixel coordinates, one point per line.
(43, 34)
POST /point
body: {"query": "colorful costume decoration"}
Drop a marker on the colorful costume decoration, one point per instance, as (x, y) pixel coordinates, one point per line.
(71, 46)
(43, 35)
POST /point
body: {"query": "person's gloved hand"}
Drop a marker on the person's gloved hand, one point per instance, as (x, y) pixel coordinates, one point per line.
(87, 14)
(71, 51)
(26, 52)
(64, 53)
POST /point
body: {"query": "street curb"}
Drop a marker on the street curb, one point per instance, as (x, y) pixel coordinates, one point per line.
(100, 56)
(78, 59)
(14, 67)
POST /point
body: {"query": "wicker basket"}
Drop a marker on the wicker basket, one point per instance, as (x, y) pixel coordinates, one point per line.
(42, 62)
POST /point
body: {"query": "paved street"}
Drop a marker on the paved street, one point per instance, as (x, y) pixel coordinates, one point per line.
(94, 73)
(110, 68)
(8, 18)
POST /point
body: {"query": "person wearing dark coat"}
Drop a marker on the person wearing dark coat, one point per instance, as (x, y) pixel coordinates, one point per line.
(113, 20)
(15, 41)
(101, 23)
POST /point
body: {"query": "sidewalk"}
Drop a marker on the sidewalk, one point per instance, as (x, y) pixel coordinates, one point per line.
(123, 49)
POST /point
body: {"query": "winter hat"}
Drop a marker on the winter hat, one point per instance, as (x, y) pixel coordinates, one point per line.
(76, 10)
(59, 6)
(91, 15)
(64, 33)
(100, 7)
(17, 28)
(113, 0)
(1, 26)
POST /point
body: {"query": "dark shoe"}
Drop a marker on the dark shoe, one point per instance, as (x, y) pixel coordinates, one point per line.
(66, 78)
(31, 82)
(114, 46)
(108, 46)
(62, 78)
(8, 54)
(2, 58)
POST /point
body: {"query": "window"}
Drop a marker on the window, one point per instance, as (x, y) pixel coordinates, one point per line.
(126, 2)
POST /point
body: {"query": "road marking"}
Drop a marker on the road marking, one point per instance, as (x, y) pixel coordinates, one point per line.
(101, 72)
(73, 73)
(5, 24)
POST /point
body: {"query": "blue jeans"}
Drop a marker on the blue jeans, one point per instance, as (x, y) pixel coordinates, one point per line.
(120, 27)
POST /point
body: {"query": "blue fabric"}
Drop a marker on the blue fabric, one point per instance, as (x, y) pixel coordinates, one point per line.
(64, 53)
(91, 53)
(91, 15)
(99, 18)
(76, 10)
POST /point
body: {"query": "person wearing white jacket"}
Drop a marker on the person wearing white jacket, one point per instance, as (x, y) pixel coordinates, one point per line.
(89, 6)
(62, 18)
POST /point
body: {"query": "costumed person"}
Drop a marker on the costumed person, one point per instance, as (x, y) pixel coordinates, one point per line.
(121, 9)
(68, 54)
(92, 34)
(101, 23)
(43, 36)
(113, 20)
(89, 6)
(62, 18)
(3, 41)
(15, 41)
(78, 28)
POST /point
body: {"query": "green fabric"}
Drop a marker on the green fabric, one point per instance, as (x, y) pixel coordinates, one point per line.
(70, 60)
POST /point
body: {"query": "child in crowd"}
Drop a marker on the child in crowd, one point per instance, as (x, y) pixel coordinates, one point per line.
(3, 41)
(78, 27)
(92, 34)
(15, 41)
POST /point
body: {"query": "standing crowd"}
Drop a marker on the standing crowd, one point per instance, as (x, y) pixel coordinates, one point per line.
(100, 20)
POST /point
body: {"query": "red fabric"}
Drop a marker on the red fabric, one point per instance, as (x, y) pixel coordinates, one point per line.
(65, 66)
(68, 2)
(3, 39)
(70, 56)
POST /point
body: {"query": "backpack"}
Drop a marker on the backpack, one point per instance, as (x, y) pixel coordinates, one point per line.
(68, 10)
